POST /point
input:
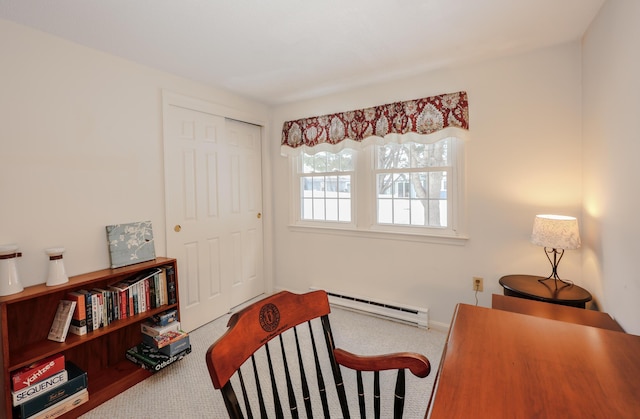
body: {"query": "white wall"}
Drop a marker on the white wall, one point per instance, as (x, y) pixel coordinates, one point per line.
(523, 158)
(81, 147)
(611, 104)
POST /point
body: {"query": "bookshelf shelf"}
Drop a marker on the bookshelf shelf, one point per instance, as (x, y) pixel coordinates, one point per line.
(25, 319)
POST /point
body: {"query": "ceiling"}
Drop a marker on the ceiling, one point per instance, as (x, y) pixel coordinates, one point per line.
(279, 51)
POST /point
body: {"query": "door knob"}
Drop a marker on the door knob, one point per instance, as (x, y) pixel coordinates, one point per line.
(259, 215)
(177, 228)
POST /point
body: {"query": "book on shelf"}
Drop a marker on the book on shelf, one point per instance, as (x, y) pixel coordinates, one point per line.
(61, 321)
(76, 381)
(80, 313)
(39, 387)
(63, 406)
(78, 330)
(151, 359)
(172, 293)
(162, 287)
(36, 371)
(88, 308)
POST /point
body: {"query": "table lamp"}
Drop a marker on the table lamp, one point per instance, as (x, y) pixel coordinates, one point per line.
(555, 233)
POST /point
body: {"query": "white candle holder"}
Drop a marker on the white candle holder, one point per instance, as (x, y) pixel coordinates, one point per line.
(57, 273)
(9, 279)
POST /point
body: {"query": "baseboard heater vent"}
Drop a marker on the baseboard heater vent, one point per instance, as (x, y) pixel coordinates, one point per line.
(417, 316)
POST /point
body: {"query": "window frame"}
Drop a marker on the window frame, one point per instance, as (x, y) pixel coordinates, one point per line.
(297, 199)
(364, 190)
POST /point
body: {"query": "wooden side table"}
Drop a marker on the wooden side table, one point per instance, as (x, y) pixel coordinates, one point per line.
(555, 312)
(529, 287)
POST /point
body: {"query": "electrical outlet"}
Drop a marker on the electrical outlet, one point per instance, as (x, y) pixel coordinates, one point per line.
(478, 283)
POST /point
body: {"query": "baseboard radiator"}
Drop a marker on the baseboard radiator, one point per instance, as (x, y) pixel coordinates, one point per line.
(417, 316)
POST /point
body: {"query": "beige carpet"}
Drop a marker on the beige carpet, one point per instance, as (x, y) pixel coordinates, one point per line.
(184, 389)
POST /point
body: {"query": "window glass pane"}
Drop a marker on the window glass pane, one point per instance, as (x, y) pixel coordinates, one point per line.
(385, 185)
(306, 186)
(307, 163)
(346, 160)
(431, 155)
(320, 162)
(318, 186)
(331, 208)
(344, 185)
(307, 209)
(437, 185)
(418, 212)
(401, 211)
(344, 210)
(393, 155)
(333, 162)
(385, 211)
(318, 209)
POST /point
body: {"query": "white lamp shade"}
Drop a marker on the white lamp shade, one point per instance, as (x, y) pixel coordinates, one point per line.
(556, 232)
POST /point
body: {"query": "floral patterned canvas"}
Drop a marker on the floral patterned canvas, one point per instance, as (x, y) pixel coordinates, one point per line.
(130, 243)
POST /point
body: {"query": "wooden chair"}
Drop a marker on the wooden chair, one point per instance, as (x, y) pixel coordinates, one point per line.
(289, 341)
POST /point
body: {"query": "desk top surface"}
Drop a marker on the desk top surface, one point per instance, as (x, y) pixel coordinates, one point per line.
(499, 364)
(530, 285)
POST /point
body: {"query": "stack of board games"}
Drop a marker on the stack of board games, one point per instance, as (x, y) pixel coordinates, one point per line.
(48, 388)
(163, 342)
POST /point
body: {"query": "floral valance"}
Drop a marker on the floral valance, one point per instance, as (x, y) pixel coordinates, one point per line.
(436, 114)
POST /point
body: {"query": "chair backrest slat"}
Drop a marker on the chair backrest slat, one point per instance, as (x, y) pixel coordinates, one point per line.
(306, 395)
(361, 400)
(319, 377)
(398, 404)
(376, 394)
(293, 405)
(256, 375)
(231, 402)
(337, 374)
(277, 404)
(245, 395)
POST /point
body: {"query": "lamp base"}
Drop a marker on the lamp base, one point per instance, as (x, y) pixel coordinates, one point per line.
(555, 280)
(554, 267)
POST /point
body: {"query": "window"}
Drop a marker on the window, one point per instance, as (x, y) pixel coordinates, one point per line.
(409, 188)
(411, 184)
(324, 181)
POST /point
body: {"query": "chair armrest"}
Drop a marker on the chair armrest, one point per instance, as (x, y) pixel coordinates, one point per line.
(416, 363)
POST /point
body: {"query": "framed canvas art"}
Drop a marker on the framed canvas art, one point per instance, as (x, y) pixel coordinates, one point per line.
(130, 243)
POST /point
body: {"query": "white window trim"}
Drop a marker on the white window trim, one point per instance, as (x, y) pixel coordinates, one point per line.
(363, 217)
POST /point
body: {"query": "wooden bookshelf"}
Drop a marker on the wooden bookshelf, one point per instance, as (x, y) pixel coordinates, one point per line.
(25, 319)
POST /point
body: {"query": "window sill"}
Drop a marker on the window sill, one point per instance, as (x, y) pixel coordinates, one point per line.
(456, 240)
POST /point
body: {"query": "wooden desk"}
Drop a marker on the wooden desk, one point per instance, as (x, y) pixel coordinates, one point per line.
(498, 364)
(555, 312)
(529, 286)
